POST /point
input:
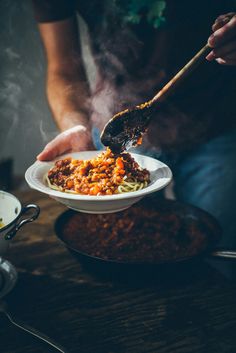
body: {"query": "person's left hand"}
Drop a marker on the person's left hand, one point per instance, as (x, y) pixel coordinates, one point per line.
(75, 139)
(223, 40)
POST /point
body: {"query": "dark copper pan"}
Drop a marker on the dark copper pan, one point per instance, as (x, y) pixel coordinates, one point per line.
(159, 270)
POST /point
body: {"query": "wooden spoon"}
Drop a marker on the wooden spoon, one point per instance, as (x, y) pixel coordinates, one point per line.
(125, 129)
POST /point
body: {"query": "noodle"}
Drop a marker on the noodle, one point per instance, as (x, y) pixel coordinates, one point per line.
(56, 187)
(129, 186)
(105, 174)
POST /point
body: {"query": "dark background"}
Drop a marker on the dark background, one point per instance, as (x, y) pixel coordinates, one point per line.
(26, 124)
(25, 120)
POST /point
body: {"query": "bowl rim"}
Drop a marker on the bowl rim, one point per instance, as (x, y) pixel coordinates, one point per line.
(29, 176)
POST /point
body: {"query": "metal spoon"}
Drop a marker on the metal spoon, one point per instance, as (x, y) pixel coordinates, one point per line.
(125, 129)
(31, 330)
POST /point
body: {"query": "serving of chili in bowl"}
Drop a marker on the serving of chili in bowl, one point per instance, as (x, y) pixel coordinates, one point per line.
(99, 202)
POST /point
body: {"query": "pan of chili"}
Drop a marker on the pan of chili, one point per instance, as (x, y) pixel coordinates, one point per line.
(153, 239)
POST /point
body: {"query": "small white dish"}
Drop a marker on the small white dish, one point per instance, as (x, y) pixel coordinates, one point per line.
(13, 216)
(160, 175)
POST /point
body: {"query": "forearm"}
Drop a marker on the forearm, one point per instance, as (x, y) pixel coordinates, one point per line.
(67, 88)
(68, 97)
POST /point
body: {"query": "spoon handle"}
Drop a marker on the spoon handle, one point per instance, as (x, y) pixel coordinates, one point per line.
(187, 69)
(31, 330)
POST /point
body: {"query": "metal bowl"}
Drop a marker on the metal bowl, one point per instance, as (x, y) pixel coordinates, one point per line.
(13, 216)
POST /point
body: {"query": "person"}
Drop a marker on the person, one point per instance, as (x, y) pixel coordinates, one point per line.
(135, 48)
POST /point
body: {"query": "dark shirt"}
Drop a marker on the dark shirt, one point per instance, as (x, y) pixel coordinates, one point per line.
(136, 60)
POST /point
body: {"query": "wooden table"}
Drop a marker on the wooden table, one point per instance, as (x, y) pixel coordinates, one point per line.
(88, 315)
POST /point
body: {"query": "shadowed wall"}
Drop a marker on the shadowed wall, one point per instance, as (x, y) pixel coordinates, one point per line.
(25, 120)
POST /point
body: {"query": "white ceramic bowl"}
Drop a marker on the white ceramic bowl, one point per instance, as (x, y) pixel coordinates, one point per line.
(12, 215)
(160, 176)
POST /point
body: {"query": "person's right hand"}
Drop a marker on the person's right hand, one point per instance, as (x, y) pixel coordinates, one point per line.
(77, 138)
(223, 40)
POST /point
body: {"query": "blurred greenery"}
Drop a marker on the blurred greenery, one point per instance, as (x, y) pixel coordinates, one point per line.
(137, 10)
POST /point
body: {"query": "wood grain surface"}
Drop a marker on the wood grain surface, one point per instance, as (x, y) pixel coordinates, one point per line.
(89, 315)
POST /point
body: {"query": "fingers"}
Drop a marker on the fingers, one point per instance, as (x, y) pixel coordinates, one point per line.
(222, 20)
(226, 52)
(226, 61)
(56, 147)
(223, 40)
(80, 138)
(223, 34)
(45, 155)
(77, 138)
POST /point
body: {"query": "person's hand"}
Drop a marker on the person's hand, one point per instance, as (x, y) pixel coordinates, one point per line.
(223, 40)
(77, 138)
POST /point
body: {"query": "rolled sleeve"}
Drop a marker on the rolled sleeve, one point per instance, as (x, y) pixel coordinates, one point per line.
(53, 10)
